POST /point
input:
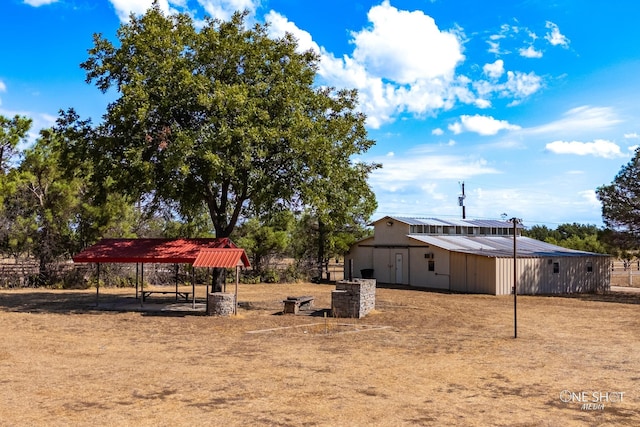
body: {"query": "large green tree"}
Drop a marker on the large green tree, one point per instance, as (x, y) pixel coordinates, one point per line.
(42, 207)
(223, 119)
(621, 204)
(12, 131)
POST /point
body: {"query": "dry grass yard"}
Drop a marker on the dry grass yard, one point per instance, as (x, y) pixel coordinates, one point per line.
(421, 358)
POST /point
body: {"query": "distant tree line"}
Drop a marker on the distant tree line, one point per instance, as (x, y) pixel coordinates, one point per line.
(573, 236)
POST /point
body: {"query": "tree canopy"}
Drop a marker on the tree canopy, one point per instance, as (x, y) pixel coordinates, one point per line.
(621, 204)
(12, 131)
(574, 236)
(223, 119)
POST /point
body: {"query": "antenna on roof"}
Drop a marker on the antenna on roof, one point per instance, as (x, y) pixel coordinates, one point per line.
(461, 200)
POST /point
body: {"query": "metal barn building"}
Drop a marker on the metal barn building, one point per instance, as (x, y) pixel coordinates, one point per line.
(474, 256)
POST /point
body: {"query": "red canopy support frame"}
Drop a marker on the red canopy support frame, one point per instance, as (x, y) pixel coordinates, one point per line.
(206, 252)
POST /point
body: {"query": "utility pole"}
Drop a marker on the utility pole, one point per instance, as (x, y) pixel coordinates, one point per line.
(515, 221)
(461, 201)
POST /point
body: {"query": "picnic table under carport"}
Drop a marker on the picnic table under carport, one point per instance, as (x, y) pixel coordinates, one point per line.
(198, 252)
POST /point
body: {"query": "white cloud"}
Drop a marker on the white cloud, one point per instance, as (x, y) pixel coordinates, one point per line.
(419, 168)
(482, 103)
(401, 63)
(530, 52)
(494, 70)
(224, 9)
(406, 46)
(437, 131)
(38, 3)
(517, 86)
(597, 148)
(220, 9)
(590, 197)
(520, 85)
(632, 135)
(577, 120)
(456, 128)
(555, 37)
(279, 25)
(124, 8)
(494, 47)
(483, 125)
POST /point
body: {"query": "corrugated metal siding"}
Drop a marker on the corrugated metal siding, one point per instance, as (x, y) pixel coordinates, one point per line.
(477, 274)
(384, 265)
(419, 267)
(472, 273)
(536, 275)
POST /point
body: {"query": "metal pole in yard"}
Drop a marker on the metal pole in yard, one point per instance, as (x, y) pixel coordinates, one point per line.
(515, 278)
(235, 297)
(177, 267)
(98, 285)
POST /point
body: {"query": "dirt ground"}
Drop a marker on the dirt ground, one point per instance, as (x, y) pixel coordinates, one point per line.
(421, 358)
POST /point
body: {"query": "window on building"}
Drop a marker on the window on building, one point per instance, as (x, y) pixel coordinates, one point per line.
(589, 267)
(432, 265)
(556, 267)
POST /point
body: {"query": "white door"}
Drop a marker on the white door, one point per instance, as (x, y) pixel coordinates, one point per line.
(398, 268)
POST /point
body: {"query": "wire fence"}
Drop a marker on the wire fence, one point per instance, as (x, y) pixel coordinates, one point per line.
(625, 273)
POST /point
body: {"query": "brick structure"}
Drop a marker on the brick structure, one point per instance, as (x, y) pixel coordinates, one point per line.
(221, 304)
(354, 299)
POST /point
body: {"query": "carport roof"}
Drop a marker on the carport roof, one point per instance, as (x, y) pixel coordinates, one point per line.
(170, 251)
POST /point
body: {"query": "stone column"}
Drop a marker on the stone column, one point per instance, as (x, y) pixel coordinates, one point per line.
(221, 304)
(353, 299)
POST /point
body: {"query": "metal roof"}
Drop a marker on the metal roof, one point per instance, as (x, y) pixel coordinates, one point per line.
(499, 246)
(453, 222)
(224, 258)
(170, 251)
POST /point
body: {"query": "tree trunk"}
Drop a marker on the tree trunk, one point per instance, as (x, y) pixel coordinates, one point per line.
(321, 250)
(218, 279)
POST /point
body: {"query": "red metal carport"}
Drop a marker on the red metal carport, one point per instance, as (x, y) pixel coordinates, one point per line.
(202, 252)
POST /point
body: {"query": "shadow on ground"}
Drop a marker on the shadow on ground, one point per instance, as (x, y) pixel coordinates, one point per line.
(62, 302)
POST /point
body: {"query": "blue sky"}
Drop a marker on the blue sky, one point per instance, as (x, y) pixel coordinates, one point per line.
(532, 104)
